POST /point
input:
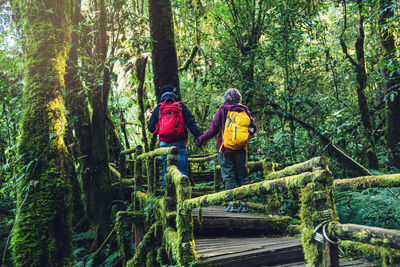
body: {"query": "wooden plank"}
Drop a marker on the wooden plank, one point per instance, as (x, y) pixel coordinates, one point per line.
(219, 212)
(240, 247)
(245, 251)
(215, 217)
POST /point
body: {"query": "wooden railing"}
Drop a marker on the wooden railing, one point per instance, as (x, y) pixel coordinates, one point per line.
(162, 218)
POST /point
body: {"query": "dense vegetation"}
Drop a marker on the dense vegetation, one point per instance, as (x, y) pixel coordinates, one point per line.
(320, 77)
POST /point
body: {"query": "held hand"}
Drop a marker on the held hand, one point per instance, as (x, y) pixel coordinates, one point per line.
(251, 131)
(198, 143)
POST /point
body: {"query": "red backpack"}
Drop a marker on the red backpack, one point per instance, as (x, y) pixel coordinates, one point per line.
(171, 126)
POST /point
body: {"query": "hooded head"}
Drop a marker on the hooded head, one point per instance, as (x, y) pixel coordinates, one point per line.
(233, 95)
(168, 91)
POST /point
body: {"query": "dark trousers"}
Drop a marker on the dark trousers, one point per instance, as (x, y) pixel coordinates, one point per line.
(233, 169)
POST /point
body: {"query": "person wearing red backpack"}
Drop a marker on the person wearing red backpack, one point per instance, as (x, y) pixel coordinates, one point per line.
(170, 120)
(234, 125)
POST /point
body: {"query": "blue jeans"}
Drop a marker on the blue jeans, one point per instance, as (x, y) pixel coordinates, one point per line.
(183, 164)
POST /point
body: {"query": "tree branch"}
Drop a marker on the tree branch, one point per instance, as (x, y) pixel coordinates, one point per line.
(330, 147)
(189, 60)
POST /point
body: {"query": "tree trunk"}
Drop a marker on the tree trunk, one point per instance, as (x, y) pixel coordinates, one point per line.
(392, 84)
(165, 65)
(79, 114)
(98, 189)
(140, 73)
(362, 84)
(361, 74)
(43, 234)
(332, 150)
(123, 128)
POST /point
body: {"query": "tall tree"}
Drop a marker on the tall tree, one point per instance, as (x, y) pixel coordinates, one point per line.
(245, 23)
(77, 105)
(392, 76)
(90, 128)
(165, 65)
(361, 72)
(42, 234)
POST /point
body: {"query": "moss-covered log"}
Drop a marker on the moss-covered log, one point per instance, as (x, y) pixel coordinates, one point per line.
(114, 171)
(131, 150)
(42, 235)
(260, 189)
(159, 152)
(385, 256)
(203, 159)
(367, 234)
(364, 182)
(307, 166)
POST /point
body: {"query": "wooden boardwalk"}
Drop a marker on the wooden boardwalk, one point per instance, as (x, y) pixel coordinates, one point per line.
(244, 251)
(216, 218)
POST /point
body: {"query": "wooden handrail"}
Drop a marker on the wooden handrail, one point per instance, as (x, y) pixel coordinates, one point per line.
(367, 234)
(162, 151)
(364, 182)
(311, 179)
(203, 159)
(258, 189)
(307, 166)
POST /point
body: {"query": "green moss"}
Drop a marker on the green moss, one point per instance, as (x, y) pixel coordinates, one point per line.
(144, 247)
(390, 180)
(42, 235)
(385, 256)
(259, 189)
(319, 163)
(184, 219)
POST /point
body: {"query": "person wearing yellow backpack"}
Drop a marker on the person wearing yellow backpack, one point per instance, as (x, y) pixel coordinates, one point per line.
(234, 125)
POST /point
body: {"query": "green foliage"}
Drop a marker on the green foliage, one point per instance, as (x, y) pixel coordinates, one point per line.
(295, 65)
(374, 207)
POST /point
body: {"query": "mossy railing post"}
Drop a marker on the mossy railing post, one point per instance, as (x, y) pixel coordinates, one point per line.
(217, 178)
(138, 167)
(138, 226)
(150, 174)
(316, 212)
(122, 171)
(157, 164)
(184, 218)
(170, 199)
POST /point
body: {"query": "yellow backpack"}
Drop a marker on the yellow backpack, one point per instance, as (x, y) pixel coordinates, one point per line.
(236, 134)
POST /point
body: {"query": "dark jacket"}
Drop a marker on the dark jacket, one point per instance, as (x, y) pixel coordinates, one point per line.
(190, 121)
(218, 123)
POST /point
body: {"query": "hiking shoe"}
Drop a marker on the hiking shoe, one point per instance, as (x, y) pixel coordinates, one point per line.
(231, 207)
(243, 207)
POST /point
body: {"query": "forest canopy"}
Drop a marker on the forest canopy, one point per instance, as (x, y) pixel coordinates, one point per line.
(79, 80)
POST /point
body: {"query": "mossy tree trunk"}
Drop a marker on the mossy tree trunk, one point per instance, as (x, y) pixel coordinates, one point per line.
(392, 82)
(78, 111)
(165, 65)
(98, 188)
(361, 73)
(140, 71)
(42, 234)
(91, 132)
